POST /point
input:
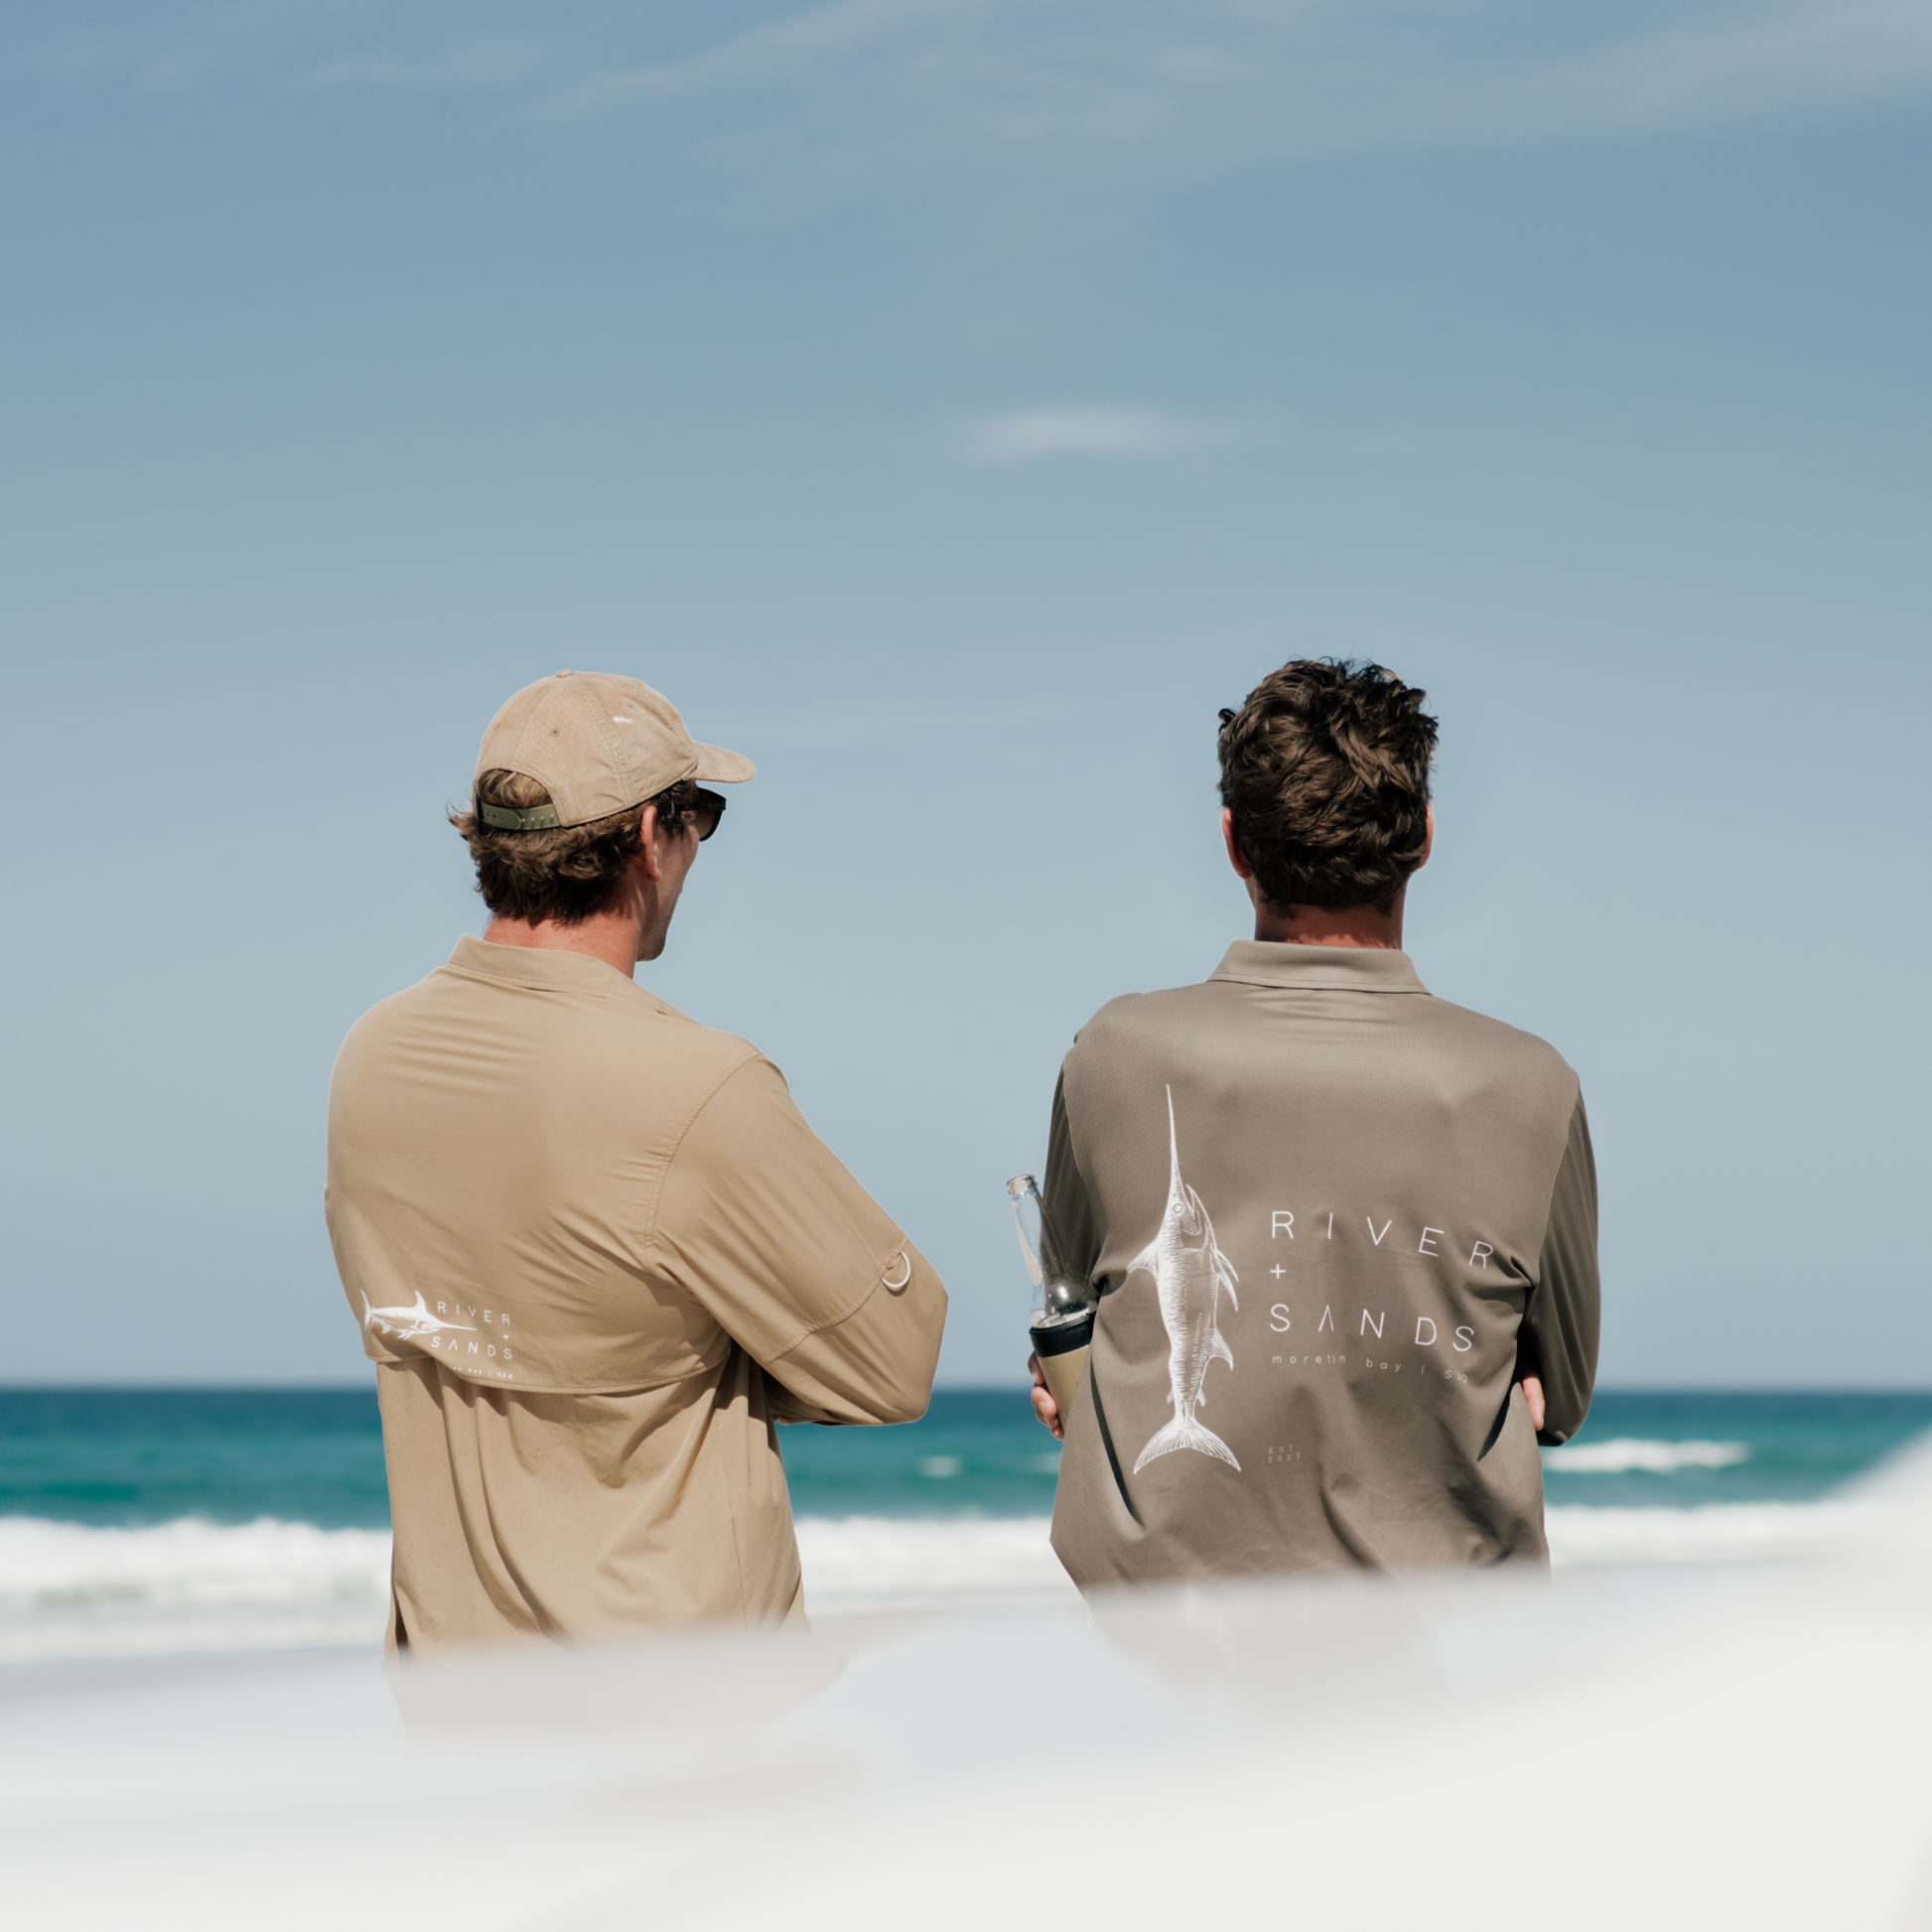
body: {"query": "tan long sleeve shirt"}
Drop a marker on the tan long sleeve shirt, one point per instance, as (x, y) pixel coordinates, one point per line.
(596, 1254)
(1324, 1207)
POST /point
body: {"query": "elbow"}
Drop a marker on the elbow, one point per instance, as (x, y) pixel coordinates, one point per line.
(906, 1405)
(905, 1395)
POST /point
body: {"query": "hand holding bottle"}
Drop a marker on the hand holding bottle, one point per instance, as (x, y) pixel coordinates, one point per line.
(1063, 1307)
(1045, 1407)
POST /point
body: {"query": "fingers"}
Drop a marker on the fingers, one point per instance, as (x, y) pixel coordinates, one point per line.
(1529, 1372)
(1045, 1407)
(1533, 1395)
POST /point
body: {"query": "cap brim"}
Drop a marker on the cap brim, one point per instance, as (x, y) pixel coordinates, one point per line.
(723, 767)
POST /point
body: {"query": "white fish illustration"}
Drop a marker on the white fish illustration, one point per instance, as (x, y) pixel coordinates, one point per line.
(1189, 1270)
(407, 1322)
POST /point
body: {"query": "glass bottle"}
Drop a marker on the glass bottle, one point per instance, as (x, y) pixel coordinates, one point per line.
(1064, 1303)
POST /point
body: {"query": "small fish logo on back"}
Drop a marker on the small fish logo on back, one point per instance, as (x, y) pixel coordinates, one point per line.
(408, 1323)
(1189, 1270)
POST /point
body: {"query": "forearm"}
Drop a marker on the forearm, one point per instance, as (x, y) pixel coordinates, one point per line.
(763, 1227)
(873, 1366)
(1562, 1321)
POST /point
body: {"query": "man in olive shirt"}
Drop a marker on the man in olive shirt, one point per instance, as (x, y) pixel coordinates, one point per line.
(1345, 1233)
(592, 1246)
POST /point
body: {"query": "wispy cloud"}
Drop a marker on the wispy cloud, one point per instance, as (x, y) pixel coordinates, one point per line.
(1218, 83)
(1036, 435)
(868, 88)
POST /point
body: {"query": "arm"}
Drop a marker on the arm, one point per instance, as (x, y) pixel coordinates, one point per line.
(761, 1224)
(1557, 1347)
(1070, 1209)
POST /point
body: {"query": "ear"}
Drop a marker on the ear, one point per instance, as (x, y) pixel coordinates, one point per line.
(648, 858)
(1428, 840)
(1236, 857)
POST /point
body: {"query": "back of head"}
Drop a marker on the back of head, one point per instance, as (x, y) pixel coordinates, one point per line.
(546, 873)
(1325, 771)
(566, 770)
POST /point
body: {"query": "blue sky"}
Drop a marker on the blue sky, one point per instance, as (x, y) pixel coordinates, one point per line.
(951, 406)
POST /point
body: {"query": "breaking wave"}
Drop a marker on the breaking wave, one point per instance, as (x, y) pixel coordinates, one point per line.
(1716, 1532)
(859, 1565)
(70, 1592)
(1625, 1453)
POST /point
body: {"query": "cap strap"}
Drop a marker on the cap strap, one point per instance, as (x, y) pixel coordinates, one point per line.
(506, 818)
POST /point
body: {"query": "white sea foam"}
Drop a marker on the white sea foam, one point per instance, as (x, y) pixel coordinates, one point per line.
(68, 1592)
(1716, 1532)
(858, 1565)
(1623, 1453)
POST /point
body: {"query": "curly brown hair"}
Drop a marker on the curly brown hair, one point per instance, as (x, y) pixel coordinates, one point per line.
(1326, 769)
(564, 874)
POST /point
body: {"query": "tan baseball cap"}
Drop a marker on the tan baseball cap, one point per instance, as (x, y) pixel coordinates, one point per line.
(598, 744)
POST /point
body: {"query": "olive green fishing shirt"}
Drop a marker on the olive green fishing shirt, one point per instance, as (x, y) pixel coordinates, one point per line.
(1315, 1273)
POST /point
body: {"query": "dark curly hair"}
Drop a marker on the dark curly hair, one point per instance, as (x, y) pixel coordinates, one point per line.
(566, 874)
(1326, 769)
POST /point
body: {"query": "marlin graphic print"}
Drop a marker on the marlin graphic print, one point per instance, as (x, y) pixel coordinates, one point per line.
(410, 1323)
(1189, 1270)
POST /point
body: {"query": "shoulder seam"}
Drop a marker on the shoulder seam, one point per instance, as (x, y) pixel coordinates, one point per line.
(1555, 1172)
(704, 1100)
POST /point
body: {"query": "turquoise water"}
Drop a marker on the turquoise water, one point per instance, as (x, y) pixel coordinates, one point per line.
(128, 1457)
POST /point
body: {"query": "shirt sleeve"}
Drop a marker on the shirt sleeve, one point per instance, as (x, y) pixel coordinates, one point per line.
(761, 1224)
(1065, 1196)
(1563, 1314)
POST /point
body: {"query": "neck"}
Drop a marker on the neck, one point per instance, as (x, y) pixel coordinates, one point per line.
(1331, 926)
(610, 936)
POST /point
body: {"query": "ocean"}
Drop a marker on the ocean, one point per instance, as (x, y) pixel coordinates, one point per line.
(150, 1523)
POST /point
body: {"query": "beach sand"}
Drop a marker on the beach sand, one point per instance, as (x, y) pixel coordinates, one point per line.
(1735, 1746)
(1719, 1723)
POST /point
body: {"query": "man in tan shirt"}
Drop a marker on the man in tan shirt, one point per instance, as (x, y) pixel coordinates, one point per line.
(593, 1247)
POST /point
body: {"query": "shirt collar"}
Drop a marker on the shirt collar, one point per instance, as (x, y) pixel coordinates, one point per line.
(537, 966)
(1346, 969)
